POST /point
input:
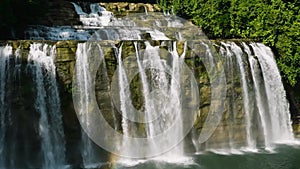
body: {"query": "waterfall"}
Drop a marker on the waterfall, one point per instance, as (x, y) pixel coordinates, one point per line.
(145, 90)
(145, 87)
(124, 93)
(160, 79)
(47, 103)
(100, 24)
(96, 8)
(82, 73)
(218, 92)
(5, 53)
(174, 98)
(251, 145)
(230, 78)
(280, 120)
(10, 71)
(259, 98)
(150, 91)
(265, 109)
(78, 9)
(234, 59)
(161, 86)
(97, 18)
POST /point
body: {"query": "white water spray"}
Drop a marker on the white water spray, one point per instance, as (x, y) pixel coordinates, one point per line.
(47, 103)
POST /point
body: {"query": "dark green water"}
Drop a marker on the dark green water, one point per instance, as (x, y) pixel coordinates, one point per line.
(283, 157)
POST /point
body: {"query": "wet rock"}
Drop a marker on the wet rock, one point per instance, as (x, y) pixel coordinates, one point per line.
(124, 8)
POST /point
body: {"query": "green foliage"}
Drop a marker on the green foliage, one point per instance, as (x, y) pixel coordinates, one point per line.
(274, 22)
(173, 6)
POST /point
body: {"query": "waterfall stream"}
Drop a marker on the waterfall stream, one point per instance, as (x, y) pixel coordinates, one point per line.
(161, 87)
(246, 98)
(259, 106)
(5, 53)
(264, 103)
(83, 69)
(160, 79)
(277, 103)
(47, 103)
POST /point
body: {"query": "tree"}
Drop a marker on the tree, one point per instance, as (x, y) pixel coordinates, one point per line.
(273, 22)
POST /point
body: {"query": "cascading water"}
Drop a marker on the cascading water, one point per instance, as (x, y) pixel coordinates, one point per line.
(259, 98)
(5, 53)
(41, 70)
(47, 103)
(10, 65)
(159, 98)
(149, 94)
(158, 81)
(277, 102)
(124, 93)
(251, 145)
(100, 24)
(83, 73)
(160, 77)
(175, 97)
(265, 108)
(230, 78)
(97, 18)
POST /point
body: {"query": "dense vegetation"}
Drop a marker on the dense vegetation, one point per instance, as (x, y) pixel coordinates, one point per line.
(274, 22)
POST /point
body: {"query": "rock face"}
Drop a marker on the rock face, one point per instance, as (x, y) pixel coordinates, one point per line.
(125, 8)
(65, 63)
(63, 13)
(59, 13)
(26, 118)
(293, 95)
